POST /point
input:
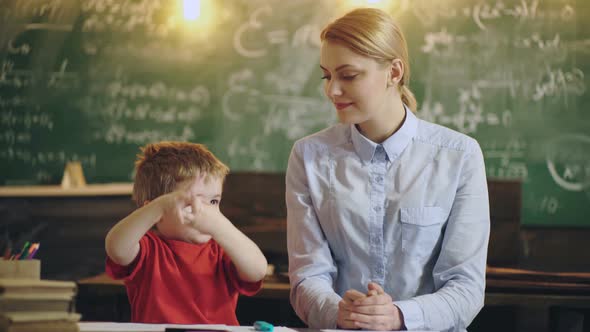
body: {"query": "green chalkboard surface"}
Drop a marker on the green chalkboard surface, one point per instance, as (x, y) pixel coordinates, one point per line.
(92, 80)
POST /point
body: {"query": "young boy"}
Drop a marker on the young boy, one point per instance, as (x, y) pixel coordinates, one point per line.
(182, 260)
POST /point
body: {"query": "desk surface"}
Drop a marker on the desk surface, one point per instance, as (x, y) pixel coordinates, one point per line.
(505, 288)
(135, 327)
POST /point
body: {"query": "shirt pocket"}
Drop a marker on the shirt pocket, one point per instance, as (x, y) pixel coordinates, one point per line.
(421, 229)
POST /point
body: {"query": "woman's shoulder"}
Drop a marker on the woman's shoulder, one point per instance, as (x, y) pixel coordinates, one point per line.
(444, 137)
(331, 136)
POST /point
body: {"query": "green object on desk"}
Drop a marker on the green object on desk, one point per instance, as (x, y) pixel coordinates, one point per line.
(263, 326)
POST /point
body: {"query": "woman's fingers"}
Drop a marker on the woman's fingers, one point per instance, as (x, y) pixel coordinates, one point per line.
(373, 286)
(378, 299)
(343, 320)
(352, 295)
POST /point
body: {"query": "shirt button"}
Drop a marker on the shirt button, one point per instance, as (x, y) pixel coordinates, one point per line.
(379, 179)
(377, 209)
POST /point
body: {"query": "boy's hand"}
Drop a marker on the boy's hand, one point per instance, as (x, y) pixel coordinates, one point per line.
(202, 215)
(175, 203)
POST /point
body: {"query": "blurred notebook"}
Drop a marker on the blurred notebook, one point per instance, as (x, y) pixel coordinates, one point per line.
(35, 288)
(45, 321)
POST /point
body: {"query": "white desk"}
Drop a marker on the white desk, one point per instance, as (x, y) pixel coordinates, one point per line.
(134, 327)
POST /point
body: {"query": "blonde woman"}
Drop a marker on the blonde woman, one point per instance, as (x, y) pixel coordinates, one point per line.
(388, 216)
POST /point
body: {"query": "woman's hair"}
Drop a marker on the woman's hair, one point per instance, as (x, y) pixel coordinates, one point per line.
(160, 167)
(372, 32)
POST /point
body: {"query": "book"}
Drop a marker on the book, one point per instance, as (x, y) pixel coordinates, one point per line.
(19, 303)
(59, 326)
(32, 288)
(45, 321)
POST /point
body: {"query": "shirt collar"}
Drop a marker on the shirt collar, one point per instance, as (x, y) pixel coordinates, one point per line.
(394, 145)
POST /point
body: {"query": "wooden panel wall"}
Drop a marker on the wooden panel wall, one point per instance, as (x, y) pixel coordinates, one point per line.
(72, 229)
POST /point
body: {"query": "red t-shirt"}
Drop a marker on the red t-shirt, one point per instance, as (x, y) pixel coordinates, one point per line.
(176, 282)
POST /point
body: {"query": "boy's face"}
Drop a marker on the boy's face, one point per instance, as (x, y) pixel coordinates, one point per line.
(209, 192)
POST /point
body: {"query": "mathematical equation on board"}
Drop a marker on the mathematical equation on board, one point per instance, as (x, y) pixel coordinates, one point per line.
(485, 14)
(305, 36)
(567, 160)
(472, 112)
(127, 16)
(290, 116)
(548, 72)
(286, 96)
(243, 100)
(505, 160)
(44, 161)
(545, 72)
(540, 75)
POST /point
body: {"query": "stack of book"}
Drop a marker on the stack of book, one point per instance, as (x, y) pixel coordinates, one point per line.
(36, 305)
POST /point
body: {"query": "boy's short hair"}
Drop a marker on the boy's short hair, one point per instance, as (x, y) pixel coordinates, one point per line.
(161, 166)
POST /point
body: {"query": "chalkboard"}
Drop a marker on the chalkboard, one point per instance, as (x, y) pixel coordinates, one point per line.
(92, 80)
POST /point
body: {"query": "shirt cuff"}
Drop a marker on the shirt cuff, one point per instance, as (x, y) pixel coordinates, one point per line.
(413, 315)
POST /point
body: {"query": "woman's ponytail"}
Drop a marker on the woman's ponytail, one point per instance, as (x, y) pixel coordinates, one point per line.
(408, 98)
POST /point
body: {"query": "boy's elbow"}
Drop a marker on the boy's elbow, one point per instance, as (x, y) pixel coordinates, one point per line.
(115, 252)
(254, 276)
(118, 259)
(257, 271)
(108, 244)
(111, 249)
(261, 274)
(121, 257)
(262, 268)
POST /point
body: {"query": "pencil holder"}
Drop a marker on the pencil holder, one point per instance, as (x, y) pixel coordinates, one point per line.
(17, 269)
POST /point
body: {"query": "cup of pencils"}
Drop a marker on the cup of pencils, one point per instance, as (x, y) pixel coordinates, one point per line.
(21, 263)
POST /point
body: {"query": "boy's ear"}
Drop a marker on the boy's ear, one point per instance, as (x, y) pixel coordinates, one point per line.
(146, 203)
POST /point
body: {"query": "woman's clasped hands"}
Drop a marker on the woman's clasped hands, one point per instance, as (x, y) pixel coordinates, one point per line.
(371, 311)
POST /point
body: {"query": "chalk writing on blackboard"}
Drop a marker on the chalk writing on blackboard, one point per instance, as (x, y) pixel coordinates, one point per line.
(92, 80)
(307, 34)
(483, 14)
(557, 83)
(568, 161)
(506, 159)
